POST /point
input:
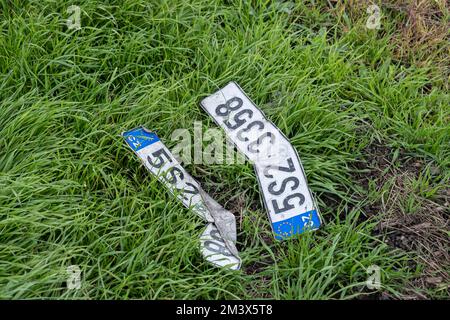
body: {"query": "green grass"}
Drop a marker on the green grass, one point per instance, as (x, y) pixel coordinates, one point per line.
(71, 192)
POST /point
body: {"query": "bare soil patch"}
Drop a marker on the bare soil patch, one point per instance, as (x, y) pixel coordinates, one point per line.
(424, 231)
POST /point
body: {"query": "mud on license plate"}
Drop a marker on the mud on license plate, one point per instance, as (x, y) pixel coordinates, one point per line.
(289, 202)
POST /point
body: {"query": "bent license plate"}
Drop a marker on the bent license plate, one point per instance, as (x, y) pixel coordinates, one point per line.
(280, 174)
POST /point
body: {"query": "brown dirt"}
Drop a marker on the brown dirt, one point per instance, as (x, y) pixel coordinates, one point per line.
(424, 231)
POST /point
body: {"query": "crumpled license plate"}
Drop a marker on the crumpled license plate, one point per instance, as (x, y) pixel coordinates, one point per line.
(219, 238)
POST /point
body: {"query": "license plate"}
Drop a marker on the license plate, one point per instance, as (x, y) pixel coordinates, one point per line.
(288, 200)
(215, 250)
(218, 240)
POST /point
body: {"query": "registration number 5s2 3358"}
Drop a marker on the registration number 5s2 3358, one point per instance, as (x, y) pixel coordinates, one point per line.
(289, 202)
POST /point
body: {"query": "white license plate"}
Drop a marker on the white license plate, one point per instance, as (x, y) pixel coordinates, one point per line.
(282, 180)
(161, 163)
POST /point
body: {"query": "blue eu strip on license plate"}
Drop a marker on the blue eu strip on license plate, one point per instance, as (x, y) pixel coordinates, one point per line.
(140, 138)
(289, 202)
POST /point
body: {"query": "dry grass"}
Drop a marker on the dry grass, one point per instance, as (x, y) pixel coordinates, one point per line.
(421, 35)
(425, 232)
